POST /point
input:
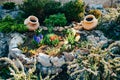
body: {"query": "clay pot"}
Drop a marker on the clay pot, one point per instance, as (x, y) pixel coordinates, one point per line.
(89, 22)
(32, 23)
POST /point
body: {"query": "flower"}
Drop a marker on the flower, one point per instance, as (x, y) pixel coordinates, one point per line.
(38, 38)
(53, 37)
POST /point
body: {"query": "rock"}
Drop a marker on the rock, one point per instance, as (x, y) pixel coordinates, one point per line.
(55, 29)
(68, 56)
(61, 29)
(66, 27)
(0, 7)
(44, 28)
(48, 70)
(96, 6)
(57, 62)
(4, 49)
(13, 13)
(17, 53)
(16, 40)
(95, 37)
(44, 59)
(14, 53)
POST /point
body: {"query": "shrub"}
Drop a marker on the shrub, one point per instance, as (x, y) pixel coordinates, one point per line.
(52, 7)
(9, 5)
(97, 64)
(35, 8)
(96, 13)
(56, 20)
(74, 10)
(10, 25)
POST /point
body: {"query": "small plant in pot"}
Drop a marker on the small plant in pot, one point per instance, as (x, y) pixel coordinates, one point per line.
(89, 22)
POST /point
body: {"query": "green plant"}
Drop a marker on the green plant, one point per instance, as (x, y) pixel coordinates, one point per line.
(96, 65)
(52, 7)
(50, 29)
(20, 73)
(70, 36)
(96, 13)
(35, 8)
(10, 27)
(56, 20)
(9, 5)
(51, 39)
(74, 10)
(8, 24)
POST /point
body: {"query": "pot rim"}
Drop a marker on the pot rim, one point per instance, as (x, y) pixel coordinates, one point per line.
(89, 16)
(35, 18)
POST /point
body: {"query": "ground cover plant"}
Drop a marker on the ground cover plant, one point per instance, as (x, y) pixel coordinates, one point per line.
(8, 24)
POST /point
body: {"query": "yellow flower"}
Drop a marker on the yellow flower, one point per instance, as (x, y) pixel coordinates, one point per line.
(33, 52)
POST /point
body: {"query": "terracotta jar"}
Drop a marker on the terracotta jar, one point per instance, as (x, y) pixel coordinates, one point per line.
(89, 22)
(32, 23)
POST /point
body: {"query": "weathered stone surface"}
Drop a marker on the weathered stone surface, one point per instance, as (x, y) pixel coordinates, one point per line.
(4, 49)
(58, 62)
(95, 37)
(68, 56)
(16, 40)
(14, 13)
(48, 70)
(44, 59)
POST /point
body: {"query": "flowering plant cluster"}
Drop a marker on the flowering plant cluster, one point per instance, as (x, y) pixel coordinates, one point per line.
(37, 39)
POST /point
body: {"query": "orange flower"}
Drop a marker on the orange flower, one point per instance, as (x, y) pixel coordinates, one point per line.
(53, 37)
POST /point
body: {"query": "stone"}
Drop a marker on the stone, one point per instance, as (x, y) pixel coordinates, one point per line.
(97, 38)
(15, 52)
(16, 40)
(44, 28)
(66, 27)
(68, 56)
(13, 13)
(96, 6)
(57, 62)
(48, 70)
(44, 59)
(4, 48)
(55, 29)
(61, 29)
